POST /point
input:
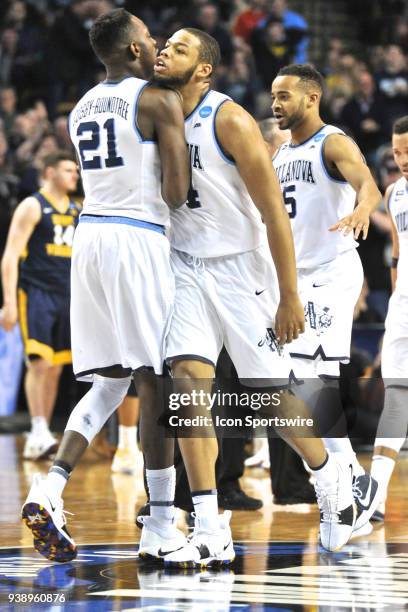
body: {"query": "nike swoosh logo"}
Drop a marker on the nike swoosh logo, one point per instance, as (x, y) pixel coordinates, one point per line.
(315, 285)
(259, 292)
(162, 553)
(365, 503)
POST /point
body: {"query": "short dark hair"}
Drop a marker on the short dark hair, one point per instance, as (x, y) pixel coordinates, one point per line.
(400, 125)
(306, 73)
(109, 30)
(53, 159)
(209, 48)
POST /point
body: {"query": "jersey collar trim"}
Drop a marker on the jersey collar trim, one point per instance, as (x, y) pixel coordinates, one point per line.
(198, 106)
(54, 204)
(292, 146)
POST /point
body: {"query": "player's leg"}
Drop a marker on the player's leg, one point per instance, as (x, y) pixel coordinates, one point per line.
(262, 364)
(159, 534)
(51, 389)
(393, 424)
(125, 458)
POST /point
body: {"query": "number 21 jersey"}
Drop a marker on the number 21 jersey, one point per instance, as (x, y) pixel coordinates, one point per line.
(121, 172)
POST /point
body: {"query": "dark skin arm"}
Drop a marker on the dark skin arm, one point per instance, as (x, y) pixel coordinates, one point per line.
(344, 157)
(394, 236)
(241, 138)
(160, 117)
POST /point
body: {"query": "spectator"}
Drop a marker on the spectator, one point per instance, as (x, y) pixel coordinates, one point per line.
(61, 133)
(208, 20)
(249, 18)
(273, 48)
(72, 63)
(365, 115)
(238, 81)
(8, 48)
(8, 107)
(295, 27)
(393, 83)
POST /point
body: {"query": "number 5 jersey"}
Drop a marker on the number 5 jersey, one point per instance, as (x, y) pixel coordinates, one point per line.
(314, 199)
(47, 262)
(121, 172)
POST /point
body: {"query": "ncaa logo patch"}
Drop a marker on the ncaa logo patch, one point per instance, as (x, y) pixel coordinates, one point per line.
(205, 111)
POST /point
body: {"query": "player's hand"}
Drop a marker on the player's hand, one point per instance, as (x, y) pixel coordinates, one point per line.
(290, 319)
(8, 317)
(358, 222)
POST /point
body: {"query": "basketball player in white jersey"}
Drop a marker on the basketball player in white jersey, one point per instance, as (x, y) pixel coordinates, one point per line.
(322, 173)
(392, 427)
(227, 291)
(129, 138)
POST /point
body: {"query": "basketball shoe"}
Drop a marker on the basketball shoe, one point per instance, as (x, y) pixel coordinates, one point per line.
(40, 446)
(125, 461)
(157, 540)
(205, 548)
(337, 507)
(46, 519)
(366, 495)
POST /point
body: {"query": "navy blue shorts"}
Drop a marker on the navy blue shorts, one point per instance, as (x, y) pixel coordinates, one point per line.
(45, 326)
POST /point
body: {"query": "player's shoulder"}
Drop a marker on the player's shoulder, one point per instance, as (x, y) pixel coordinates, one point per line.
(159, 101)
(232, 116)
(29, 208)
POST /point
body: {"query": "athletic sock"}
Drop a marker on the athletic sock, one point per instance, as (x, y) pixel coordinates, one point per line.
(206, 509)
(39, 425)
(381, 470)
(56, 481)
(127, 437)
(326, 474)
(343, 446)
(162, 487)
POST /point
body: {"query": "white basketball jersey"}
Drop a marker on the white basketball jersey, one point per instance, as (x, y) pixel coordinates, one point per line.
(314, 200)
(121, 172)
(398, 207)
(219, 218)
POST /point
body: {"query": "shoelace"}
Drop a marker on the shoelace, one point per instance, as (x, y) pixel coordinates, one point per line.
(327, 503)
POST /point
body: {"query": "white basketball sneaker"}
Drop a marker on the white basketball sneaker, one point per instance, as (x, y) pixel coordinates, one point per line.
(205, 548)
(366, 495)
(40, 446)
(46, 519)
(157, 540)
(337, 507)
(125, 461)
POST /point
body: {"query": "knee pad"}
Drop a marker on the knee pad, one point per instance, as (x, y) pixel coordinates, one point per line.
(91, 413)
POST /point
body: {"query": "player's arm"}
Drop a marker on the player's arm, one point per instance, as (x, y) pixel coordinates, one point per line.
(165, 111)
(25, 218)
(394, 238)
(343, 155)
(241, 138)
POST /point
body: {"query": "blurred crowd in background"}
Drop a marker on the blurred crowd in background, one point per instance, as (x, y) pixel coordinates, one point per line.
(361, 47)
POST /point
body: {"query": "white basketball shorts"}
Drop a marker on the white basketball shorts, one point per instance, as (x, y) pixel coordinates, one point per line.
(122, 291)
(229, 300)
(329, 294)
(394, 356)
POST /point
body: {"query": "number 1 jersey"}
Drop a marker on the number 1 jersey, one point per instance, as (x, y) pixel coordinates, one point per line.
(121, 172)
(314, 200)
(219, 218)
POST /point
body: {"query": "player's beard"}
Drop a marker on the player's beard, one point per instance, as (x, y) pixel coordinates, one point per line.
(295, 117)
(175, 82)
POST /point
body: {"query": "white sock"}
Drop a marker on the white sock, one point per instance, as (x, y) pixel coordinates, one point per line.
(162, 487)
(127, 437)
(39, 425)
(55, 482)
(343, 446)
(326, 475)
(206, 509)
(381, 470)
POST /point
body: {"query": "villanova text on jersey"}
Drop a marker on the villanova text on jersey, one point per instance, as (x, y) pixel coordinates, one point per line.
(297, 170)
